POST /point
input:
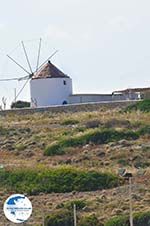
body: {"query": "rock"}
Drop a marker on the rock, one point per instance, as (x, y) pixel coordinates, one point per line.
(101, 154)
(67, 161)
(107, 163)
(28, 154)
(103, 197)
(124, 143)
(136, 197)
(114, 193)
(85, 152)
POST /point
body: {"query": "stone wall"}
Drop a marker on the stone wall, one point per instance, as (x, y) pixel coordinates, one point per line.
(70, 108)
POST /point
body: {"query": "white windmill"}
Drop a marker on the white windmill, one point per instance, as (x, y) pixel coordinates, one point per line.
(48, 85)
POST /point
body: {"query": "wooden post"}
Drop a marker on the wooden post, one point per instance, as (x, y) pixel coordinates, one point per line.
(75, 215)
(130, 200)
(15, 95)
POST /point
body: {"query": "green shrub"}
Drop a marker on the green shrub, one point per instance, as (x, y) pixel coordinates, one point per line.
(141, 105)
(3, 131)
(65, 218)
(144, 130)
(54, 149)
(90, 221)
(140, 219)
(20, 104)
(70, 122)
(123, 162)
(57, 180)
(20, 147)
(60, 218)
(118, 221)
(80, 204)
(141, 163)
(95, 136)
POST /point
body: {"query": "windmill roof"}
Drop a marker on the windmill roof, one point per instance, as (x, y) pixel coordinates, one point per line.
(49, 70)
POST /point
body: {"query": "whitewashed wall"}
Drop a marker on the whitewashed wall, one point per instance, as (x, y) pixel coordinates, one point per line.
(50, 91)
(87, 98)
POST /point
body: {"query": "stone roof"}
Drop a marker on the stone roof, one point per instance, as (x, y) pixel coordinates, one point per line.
(49, 70)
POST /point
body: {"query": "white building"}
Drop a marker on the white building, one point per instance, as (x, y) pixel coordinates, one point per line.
(87, 98)
(50, 86)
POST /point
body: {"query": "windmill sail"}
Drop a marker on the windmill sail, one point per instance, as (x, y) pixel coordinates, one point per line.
(30, 74)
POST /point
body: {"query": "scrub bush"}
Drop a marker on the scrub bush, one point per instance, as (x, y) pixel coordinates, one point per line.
(143, 106)
(59, 180)
(140, 219)
(94, 136)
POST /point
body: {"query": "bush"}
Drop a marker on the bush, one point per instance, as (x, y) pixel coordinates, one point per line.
(118, 123)
(92, 124)
(20, 147)
(118, 221)
(54, 149)
(61, 218)
(140, 219)
(57, 180)
(90, 221)
(80, 204)
(20, 104)
(94, 136)
(65, 218)
(123, 162)
(70, 122)
(141, 105)
(3, 131)
(144, 130)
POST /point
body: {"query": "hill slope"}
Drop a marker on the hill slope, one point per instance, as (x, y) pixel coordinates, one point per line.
(59, 158)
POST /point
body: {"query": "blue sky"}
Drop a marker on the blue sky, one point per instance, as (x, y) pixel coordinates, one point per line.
(103, 45)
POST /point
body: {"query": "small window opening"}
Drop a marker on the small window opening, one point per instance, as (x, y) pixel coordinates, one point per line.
(65, 83)
(65, 102)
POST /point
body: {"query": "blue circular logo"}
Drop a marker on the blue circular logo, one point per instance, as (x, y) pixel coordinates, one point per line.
(17, 208)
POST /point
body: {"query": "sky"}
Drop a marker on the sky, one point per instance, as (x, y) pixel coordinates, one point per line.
(103, 45)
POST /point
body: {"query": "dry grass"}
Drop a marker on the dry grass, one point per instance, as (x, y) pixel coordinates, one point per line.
(28, 135)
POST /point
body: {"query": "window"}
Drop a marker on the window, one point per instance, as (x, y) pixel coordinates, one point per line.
(65, 102)
(65, 83)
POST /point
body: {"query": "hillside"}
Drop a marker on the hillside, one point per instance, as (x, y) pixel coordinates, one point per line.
(61, 158)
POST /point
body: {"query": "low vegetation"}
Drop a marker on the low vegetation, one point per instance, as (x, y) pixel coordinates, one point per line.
(54, 149)
(60, 218)
(20, 104)
(56, 180)
(80, 204)
(140, 219)
(95, 136)
(143, 106)
(70, 122)
(90, 220)
(3, 131)
(65, 217)
(84, 147)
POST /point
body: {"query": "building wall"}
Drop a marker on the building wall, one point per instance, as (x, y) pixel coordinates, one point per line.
(70, 108)
(87, 98)
(82, 98)
(50, 91)
(123, 96)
